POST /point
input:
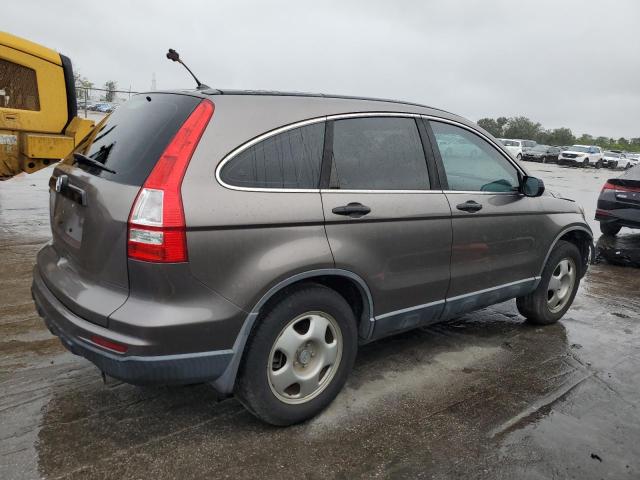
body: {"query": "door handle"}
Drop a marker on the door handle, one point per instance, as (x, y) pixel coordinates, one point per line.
(470, 206)
(353, 210)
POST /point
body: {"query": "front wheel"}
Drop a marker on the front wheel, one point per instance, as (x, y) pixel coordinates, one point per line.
(519, 157)
(627, 166)
(585, 163)
(299, 356)
(557, 288)
(599, 164)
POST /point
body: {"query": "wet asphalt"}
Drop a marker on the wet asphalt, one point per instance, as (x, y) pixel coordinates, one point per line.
(485, 396)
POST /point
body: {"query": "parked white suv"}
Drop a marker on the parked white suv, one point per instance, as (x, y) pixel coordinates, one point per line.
(629, 160)
(582, 155)
(517, 147)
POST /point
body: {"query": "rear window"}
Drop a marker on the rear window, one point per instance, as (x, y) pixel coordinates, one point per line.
(136, 134)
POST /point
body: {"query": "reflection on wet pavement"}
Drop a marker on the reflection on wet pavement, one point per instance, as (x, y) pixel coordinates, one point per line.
(485, 396)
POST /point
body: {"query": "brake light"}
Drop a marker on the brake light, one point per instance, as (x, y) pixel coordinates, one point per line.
(619, 188)
(156, 227)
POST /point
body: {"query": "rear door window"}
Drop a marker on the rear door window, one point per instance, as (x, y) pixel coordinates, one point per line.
(135, 135)
(288, 160)
(378, 153)
(471, 163)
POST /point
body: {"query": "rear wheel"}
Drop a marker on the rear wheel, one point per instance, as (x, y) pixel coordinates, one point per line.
(299, 356)
(609, 228)
(599, 164)
(613, 165)
(519, 157)
(628, 165)
(557, 288)
(585, 162)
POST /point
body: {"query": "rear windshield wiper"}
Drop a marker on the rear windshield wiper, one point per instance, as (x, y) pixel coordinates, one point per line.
(80, 158)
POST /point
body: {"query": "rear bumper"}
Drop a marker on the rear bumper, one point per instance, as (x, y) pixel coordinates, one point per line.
(75, 332)
(628, 220)
(611, 210)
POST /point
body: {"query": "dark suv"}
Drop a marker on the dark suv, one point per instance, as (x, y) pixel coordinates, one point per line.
(253, 240)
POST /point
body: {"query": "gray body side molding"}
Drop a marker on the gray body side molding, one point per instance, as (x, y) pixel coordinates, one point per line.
(225, 383)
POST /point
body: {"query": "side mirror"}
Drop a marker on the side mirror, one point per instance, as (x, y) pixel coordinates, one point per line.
(532, 187)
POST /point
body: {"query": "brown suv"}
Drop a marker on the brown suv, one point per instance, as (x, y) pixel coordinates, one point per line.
(253, 240)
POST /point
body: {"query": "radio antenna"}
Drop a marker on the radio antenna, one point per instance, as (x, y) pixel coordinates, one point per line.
(175, 57)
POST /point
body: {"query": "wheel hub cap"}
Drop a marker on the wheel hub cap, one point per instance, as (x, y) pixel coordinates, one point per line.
(305, 357)
(561, 285)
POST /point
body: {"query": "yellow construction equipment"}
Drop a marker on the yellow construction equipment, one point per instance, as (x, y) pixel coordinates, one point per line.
(38, 110)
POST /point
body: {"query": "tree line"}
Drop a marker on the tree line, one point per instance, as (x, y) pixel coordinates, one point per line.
(524, 128)
(83, 83)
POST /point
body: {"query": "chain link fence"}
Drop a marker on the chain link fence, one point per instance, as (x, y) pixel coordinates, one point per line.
(94, 101)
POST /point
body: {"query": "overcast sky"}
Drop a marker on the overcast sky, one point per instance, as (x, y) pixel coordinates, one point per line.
(562, 63)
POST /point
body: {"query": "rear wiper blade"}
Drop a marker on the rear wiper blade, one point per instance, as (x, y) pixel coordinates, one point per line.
(80, 158)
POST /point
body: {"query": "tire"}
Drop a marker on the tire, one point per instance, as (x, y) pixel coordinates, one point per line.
(519, 157)
(585, 163)
(537, 307)
(613, 165)
(599, 164)
(627, 166)
(610, 229)
(258, 386)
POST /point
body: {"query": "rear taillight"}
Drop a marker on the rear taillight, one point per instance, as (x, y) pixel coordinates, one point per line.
(619, 188)
(156, 230)
(108, 344)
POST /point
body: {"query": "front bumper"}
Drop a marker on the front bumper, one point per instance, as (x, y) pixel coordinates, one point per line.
(570, 161)
(75, 332)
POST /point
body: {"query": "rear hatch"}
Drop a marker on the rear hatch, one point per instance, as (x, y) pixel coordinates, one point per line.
(85, 265)
(627, 188)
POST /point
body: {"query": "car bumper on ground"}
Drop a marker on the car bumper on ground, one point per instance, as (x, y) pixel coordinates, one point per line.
(76, 335)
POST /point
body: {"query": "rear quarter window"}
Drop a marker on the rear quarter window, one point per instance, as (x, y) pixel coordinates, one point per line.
(288, 160)
(135, 135)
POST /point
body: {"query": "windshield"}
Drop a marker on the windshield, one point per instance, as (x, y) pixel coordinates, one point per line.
(528, 143)
(540, 148)
(578, 148)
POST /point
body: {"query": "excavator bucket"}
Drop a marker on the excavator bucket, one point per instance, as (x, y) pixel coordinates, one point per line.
(38, 111)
